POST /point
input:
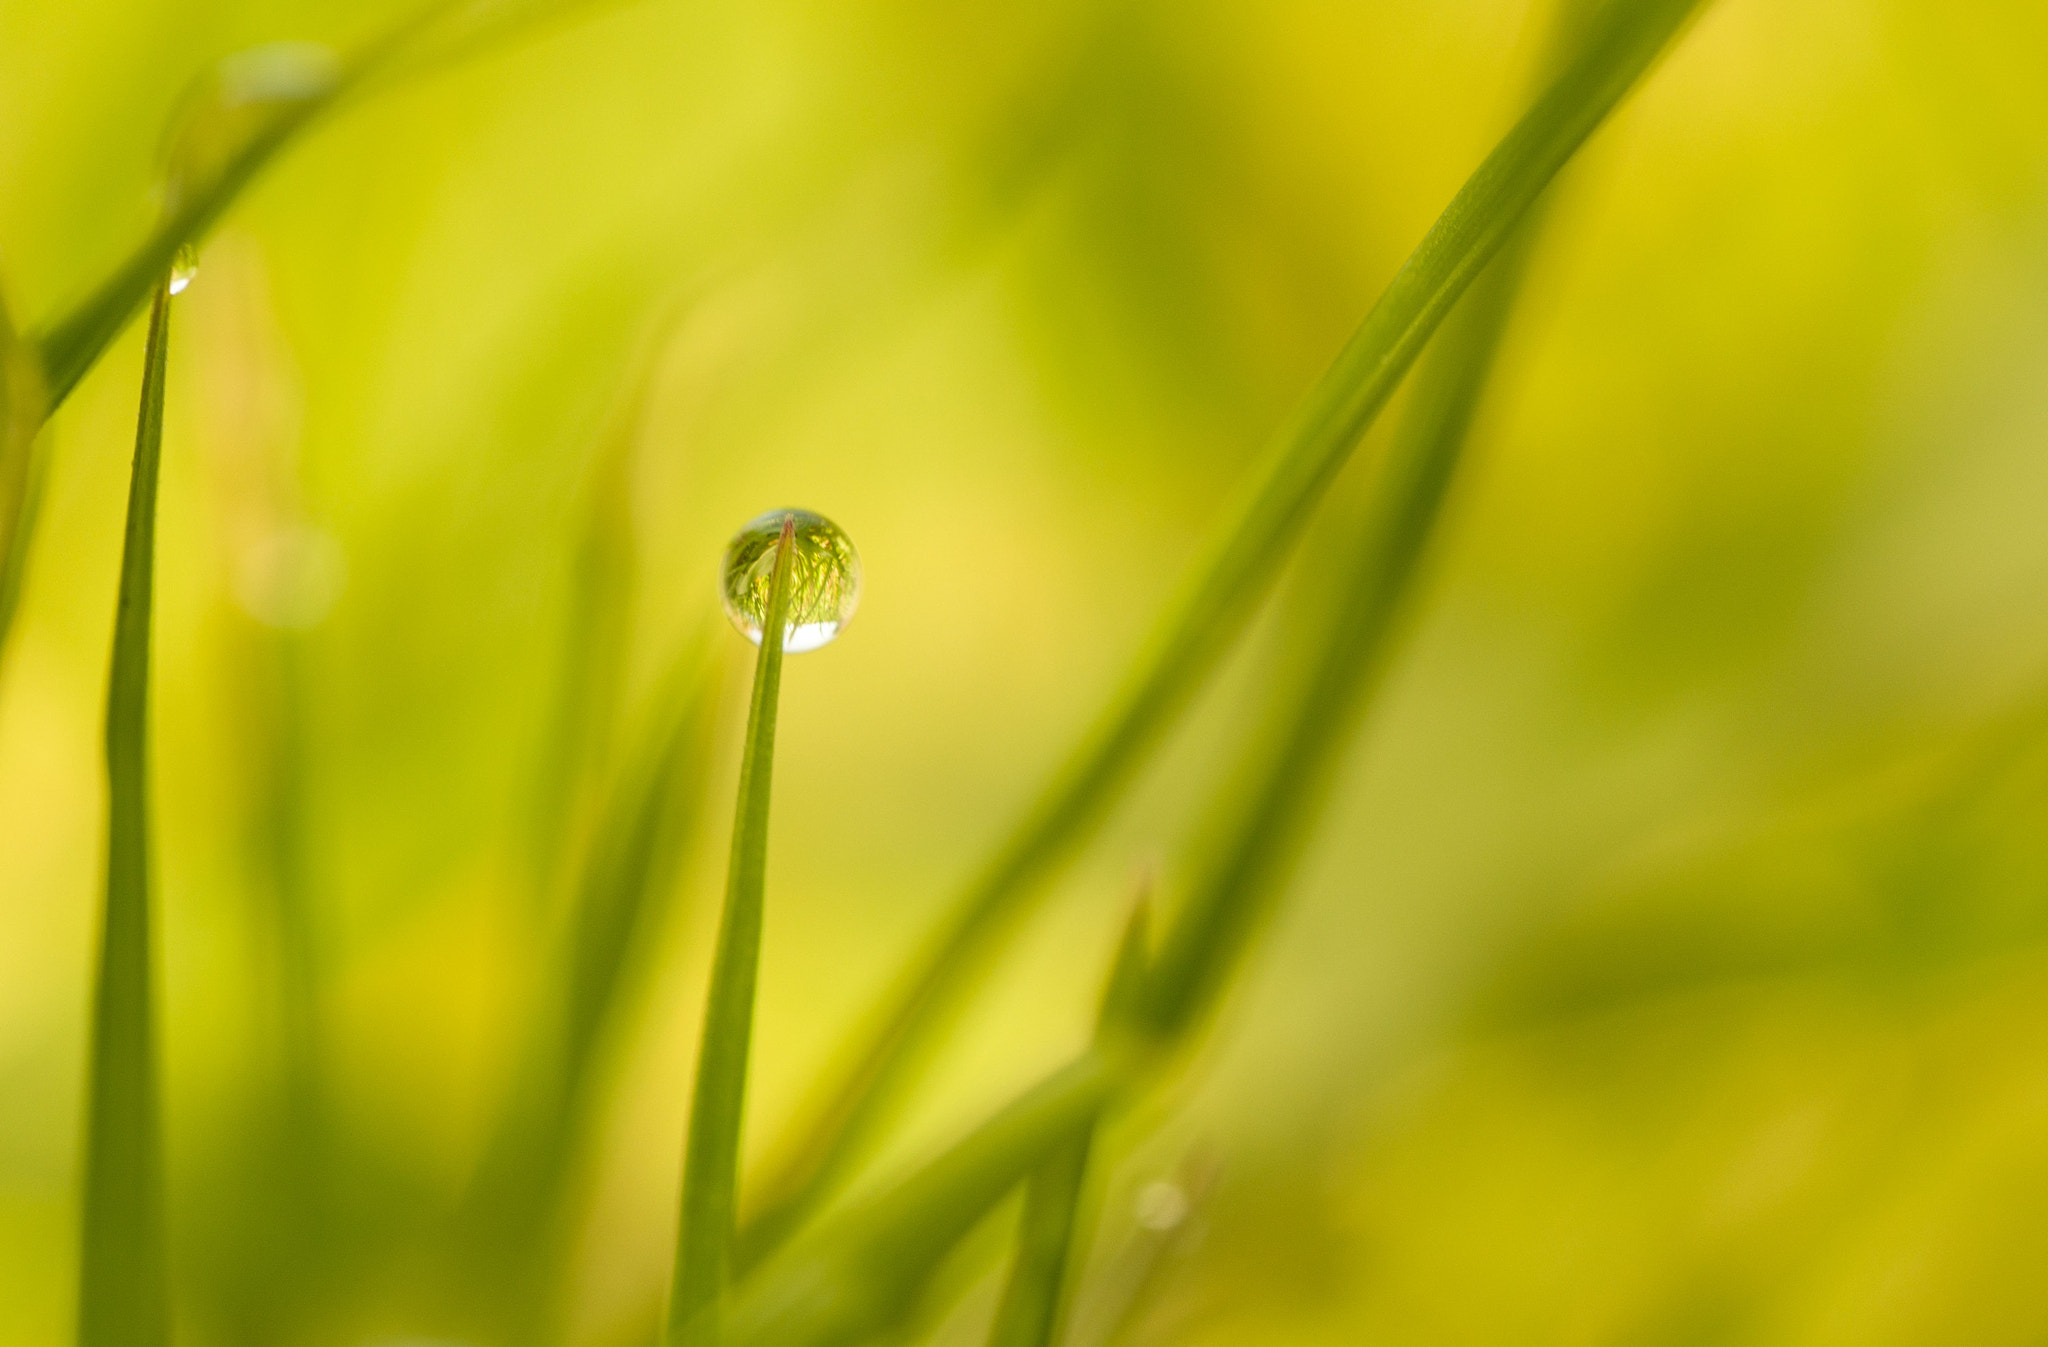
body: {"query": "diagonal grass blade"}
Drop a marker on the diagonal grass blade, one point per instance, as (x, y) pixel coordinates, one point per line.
(1226, 585)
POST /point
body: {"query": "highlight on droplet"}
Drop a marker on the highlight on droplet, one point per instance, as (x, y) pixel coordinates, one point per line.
(184, 268)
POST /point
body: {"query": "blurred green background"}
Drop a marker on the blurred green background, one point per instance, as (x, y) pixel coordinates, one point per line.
(1672, 966)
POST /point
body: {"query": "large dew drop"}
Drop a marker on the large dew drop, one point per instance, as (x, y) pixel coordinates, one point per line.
(824, 578)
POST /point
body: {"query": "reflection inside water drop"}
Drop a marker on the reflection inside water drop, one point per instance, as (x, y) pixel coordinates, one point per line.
(824, 578)
(183, 269)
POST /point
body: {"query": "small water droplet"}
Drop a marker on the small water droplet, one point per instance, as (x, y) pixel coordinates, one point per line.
(824, 578)
(1161, 1206)
(183, 268)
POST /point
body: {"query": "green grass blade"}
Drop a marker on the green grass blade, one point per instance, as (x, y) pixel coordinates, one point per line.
(636, 859)
(1033, 1302)
(1029, 1312)
(21, 477)
(1267, 805)
(511, 1218)
(711, 1158)
(861, 1272)
(593, 652)
(74, 342)
(1134, 1275)
(123, 1298)
(1266, 808)
(1225, 587)
(834, 1287)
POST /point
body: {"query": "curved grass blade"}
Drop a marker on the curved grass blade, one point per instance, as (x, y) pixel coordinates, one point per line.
(712, 1155)
(1033, 1302)
(1212, 608)
(21, 475)
(123, 1298)
(72, 343)
(430, 37)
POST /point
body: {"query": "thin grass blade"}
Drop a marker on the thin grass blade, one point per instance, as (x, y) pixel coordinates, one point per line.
(861, 1272)
(1034, 1299)
(72, 343)
(21, 477)
(1225, 587)
(594, 649)
(422, 41)
(638, 854)
(712, 1155)
(512, 1222)
(123, 1296)
(853, 1278)
(1266, 808)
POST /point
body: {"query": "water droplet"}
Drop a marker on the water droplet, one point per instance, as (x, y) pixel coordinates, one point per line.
(1161, 1206)
(824, 578)
(234, 102)
(183, 268)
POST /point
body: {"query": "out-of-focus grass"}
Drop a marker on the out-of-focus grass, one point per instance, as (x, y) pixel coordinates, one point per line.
(1647, 978)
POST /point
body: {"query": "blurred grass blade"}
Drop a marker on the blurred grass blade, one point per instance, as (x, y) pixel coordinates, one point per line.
(593, 652)
(852, 1278)
(1225, 587)
(862, 1271)
(1267, 804)
(71, 344)
(1031, 1309)
(1029, 1312)
(1135, 1275)
(635, 861)
(593, 658)
(711, 1158)
(1266, 808)
(123, 1298)
(512, 1215)
(74, 342)
(21, 477)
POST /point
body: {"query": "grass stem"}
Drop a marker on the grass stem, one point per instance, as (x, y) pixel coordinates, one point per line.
(711, 1158)
(1034, 1299)
(123, 1297)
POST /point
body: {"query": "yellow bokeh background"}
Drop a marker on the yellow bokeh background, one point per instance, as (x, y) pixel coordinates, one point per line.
(1669, 966)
